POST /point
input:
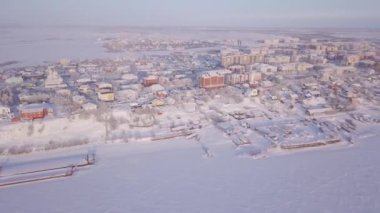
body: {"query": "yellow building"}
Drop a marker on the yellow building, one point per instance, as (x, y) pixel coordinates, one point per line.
(105, 92)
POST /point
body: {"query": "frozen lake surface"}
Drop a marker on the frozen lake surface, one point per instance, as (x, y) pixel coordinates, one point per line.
(34, 46)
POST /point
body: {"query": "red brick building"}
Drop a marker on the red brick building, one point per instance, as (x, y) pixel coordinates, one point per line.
(33, 111)
(150, 80)
(213, 79)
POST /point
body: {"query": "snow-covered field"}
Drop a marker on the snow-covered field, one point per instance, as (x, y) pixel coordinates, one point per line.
(177, 176)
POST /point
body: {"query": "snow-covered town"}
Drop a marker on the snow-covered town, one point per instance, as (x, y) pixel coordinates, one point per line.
(268, 99)
(247, 110)
(283, 93)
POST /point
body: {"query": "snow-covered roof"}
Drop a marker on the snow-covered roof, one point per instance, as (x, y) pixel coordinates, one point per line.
(129, 76)
(151, 77)
(33, 107)
(104, 85)
(156, 88)
(216, 72)
(89, 106)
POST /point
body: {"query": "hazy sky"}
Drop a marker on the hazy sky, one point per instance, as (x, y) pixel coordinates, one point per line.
(253, 13)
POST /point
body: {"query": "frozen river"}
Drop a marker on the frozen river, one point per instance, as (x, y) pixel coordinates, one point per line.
(173, 176)
(33, 46)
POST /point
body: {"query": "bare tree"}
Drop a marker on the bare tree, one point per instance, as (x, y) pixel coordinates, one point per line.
(30, 129)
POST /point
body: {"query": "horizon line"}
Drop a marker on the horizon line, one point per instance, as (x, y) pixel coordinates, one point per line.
(185, 26)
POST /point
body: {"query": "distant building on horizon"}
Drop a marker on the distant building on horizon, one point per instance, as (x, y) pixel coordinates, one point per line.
(240, 58)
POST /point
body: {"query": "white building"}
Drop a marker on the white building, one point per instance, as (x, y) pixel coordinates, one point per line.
(156, 88)
(84, 81)
(33, 97)
(263, 68)
(89, 107)
(127, 94)
(251, 92)
(123, 69)
(5, 111)
(54, 80)
(319, 111)
(277, 59)
(129, 77)
(266, 84)
(79, 99)
(14, 80)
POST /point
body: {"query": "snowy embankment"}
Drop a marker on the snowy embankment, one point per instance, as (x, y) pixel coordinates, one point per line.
(40, 135)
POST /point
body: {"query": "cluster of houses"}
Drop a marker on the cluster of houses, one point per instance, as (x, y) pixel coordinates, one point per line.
(127, 44)
(321, 76)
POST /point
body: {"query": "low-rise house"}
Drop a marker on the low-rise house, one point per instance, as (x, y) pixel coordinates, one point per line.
(85, 89)
(150, 80)
(89, 107)
(64, 92)
(127, 95)
(129, 77)
(293, 96)
(33, 97)
(33, 75)
(156, 88)
(301, 67)
(123, 69)
(314, 102)
(161, 94)
(157, 102)
(105, 92)
(351, 59)
(266, 84)
(84, 81)
(251, 92)
(5, 111)
(33, 111)
(319, 111)
(348, 93)
(79, 99)
(14, 80)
